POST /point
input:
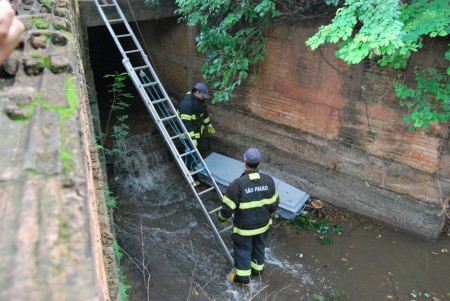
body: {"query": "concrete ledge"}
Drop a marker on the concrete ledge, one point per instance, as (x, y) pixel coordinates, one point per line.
(140, 11)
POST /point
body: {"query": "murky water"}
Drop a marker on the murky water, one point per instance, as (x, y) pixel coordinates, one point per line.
(171, 253)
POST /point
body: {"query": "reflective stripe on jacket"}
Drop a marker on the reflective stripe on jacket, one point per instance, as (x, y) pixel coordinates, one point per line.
(253, 199)
(194, 114)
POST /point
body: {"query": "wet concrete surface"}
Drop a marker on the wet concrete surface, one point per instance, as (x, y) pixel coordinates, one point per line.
(172, 254)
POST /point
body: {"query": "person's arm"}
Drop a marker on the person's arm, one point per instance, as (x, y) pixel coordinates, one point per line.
(229, 202)
(274, 206)
(11, 30)
(186, 115)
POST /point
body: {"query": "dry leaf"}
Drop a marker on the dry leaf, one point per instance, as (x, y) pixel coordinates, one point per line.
(344, 259)
(390, 297)
(434, 253)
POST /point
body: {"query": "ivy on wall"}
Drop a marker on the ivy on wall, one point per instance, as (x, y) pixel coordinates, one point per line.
(232, 40)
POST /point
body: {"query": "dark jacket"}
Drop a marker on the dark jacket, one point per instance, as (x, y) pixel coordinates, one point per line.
(194, 114)
(253, 199)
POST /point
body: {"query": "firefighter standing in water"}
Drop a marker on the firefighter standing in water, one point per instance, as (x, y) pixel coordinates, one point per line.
(253, 199)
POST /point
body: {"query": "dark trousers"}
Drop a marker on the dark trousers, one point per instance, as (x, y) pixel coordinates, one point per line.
(249, 252)
(202, 147)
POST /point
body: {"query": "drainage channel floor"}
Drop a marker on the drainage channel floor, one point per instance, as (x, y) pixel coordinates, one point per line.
(172, 254)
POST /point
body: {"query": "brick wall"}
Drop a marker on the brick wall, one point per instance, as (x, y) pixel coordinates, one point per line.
(319, 94)
(343, 122)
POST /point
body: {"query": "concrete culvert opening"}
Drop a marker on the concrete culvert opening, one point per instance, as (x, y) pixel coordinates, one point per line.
(170, 252)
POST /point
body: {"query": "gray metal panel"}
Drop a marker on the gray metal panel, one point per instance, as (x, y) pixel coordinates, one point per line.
(224, 170)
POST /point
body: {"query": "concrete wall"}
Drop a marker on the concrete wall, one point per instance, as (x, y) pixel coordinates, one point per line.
(331, 129)
(133, 11)
(52, 209)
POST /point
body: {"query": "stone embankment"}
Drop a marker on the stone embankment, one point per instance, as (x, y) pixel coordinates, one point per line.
(55, 242)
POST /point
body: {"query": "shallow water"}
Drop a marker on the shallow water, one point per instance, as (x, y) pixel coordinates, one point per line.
(166, 237)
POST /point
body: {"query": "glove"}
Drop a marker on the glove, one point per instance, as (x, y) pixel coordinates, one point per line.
(195, 142)
(221, 219)
(211, 129)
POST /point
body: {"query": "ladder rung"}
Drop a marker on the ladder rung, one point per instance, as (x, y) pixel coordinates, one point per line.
(115, 21)
(159, 101)
(214, 210)
(150, 84)
(169, 117)
(124, 35)
(177, 136)
(226, 229)
(196, 172)
(132, 51)
(140, 67)
(206, 190)
(188, 153)
(107, 5)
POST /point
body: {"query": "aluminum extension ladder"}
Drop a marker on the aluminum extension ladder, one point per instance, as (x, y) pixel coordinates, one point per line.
(159, 106)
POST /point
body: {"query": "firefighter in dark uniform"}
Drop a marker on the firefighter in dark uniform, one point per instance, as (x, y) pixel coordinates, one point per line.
(253, 199)
(194, 114)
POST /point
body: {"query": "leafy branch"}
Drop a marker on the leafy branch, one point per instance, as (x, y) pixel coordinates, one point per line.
(390, 31)
(429, 102)
(118, 130)
(231, 37)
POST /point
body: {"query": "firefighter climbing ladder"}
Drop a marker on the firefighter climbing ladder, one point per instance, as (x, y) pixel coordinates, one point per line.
(159, 106)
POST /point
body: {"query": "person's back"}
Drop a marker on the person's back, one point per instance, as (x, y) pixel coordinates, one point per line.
(253, 199)
(253, 186)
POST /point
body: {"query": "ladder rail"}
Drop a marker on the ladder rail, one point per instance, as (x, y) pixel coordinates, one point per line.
(183, 127)
(211, 223)
(178, 157)
(141, 87)
(158, 121)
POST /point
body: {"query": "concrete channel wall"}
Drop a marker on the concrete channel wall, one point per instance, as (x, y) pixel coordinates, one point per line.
(330, 129)
(55, 241)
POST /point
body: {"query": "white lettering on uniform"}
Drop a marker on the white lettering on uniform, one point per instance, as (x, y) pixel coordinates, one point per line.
(257, 188)
(261, 188)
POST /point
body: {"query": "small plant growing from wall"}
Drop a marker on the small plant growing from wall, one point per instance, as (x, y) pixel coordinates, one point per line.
(116, 129)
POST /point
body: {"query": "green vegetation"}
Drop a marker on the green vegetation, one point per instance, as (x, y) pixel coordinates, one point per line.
(123, 283)
(111, 201)
(429, 101)
(44, 61)
(119, 130)
(232, 39)
(31, 106)
(64, 112)
(42, 23)
(322, 227)
(389, 32)
(333, 295)
(58, 25)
